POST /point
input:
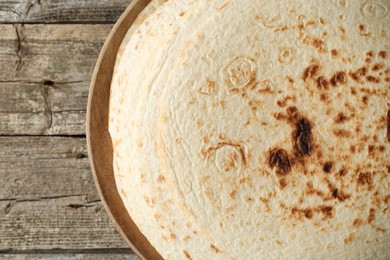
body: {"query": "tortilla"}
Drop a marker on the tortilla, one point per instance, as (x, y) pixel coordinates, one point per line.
(256, 129)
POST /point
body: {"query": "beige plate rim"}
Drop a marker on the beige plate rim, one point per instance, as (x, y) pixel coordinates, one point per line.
(99, 141)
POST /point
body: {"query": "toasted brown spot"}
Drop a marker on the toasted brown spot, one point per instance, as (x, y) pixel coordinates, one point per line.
(281, 103)
(382, 54)
(278, 158)
(249, 200)
(334, 52)
(161, 178)
(388, 125)
(340, 118)
(377, 66)
(282, 183)
(365, 178)
(370, 53)
(343, 172)
(216, 249)
(357, 222)
(342, 133)
(328, 167)
(232, 194)
(339, 78)
(322, 83)
(358, 73)
(362, 27)
(365, 100)
(327, 211)
(341, 196)
(349, 239)
(371, 215)
(308, 213)
(310, 72)
(373, 79)
(187, 255)
(182, 13)
(323, 97)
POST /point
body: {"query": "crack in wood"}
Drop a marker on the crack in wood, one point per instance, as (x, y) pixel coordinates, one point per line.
(31, 4)
(19, 51)
(47, 107)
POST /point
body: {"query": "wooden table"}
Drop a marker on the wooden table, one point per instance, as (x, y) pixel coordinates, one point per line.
(49, 207)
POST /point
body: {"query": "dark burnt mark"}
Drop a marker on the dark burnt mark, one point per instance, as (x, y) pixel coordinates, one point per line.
(388, 125)
(365, 178)
(322, 83)
(303, 137)
(382, 54)
(371, 215)
(373, 79)
(327, 167)
(341, 196)
(310, 72)
(377, 66)
(370, 54)
(279, 158)
(339, 78)
(362, 27)
(340, 118)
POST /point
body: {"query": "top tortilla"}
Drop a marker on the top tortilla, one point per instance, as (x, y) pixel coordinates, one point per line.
(256, 129)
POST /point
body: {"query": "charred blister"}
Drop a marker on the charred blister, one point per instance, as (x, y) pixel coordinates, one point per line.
(303, 137)
(311, 72)
(328, 167)
(279, 159)
(339, 78)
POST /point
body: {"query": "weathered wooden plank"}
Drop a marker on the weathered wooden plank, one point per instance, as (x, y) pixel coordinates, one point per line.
(66, 223)
(60, 53)
(45, 74)
(48, 256)
(39, 109)
(61, 11)
(48, 198)
(32, 168)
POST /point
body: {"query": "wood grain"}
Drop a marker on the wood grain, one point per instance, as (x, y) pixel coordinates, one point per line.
(47, 197)
(32, 168)
(46, 70)
(67, 223)
(69, 256)
(61, 11)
